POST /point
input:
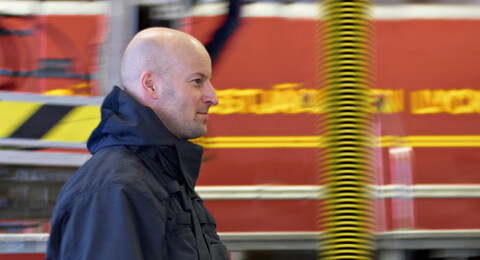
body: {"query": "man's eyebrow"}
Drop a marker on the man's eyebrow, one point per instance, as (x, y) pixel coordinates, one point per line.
(200, 74)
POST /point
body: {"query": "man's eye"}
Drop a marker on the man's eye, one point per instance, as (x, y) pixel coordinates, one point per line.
(197, 81)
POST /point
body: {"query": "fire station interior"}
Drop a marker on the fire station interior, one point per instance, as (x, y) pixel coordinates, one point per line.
(344, 129)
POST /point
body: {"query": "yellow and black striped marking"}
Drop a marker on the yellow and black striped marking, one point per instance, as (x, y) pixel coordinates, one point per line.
(47, 122)
(41, 121)
(346, 162)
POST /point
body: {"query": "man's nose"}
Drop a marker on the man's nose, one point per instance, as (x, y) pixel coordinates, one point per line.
(209, 95)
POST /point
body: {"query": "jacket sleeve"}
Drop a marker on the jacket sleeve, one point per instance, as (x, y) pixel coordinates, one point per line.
(112, 223)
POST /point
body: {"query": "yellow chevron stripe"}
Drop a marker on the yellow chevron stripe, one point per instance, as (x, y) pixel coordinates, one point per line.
(14, 114)
(76, 126)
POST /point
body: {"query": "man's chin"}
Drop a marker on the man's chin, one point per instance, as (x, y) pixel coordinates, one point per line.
(198, 133)
(203, 131)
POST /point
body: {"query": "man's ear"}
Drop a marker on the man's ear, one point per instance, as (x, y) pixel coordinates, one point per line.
(148, 84)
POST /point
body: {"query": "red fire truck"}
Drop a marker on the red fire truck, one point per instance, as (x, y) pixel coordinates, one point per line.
(260, 177)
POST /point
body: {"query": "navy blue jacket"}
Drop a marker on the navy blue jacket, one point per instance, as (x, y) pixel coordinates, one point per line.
(135, 198)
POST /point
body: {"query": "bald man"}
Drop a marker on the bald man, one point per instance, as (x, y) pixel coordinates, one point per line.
(135, 198)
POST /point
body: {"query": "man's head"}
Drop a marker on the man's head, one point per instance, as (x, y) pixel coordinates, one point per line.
(169, 71)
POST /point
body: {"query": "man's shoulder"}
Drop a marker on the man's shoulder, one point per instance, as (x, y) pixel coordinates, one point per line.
(117, 160)
(112, 168)
(116, 164)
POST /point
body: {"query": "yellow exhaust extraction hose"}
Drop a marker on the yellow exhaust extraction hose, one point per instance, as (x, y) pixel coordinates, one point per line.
(346, 163)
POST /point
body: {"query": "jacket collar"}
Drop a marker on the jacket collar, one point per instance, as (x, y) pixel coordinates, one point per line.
(190, 159)
(126, 122)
